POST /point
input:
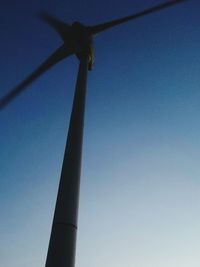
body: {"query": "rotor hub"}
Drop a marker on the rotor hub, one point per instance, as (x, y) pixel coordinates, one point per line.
(83, 40)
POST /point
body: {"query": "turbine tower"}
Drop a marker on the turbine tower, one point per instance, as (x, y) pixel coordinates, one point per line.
(77, 39)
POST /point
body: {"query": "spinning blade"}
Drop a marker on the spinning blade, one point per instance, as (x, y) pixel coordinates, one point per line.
(104, 26)
(58, 55)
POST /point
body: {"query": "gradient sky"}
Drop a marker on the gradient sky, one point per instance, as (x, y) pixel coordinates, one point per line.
(140, 184)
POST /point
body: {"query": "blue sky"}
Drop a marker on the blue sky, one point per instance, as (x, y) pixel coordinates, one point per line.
(140, 187)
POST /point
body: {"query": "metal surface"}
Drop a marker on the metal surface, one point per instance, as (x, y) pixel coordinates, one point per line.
(61, 252)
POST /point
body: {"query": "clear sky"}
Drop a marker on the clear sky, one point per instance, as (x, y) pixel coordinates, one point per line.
(140, 184)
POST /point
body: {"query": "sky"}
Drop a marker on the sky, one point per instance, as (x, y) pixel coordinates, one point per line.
(140, 182)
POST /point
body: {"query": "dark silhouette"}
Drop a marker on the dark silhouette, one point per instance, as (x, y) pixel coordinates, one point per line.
(77, 40)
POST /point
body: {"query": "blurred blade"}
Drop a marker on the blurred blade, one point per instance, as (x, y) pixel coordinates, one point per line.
(58, 55)
(104, 26)
(61, 27)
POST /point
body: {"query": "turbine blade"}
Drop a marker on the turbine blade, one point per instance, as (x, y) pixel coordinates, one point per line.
(58, 55)
(61, 27)
(104, 26)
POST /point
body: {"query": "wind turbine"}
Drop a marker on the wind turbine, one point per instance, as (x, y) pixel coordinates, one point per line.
(77, 39)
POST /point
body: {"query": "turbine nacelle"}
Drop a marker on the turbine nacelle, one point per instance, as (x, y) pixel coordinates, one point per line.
(76, 37)
(83, 41)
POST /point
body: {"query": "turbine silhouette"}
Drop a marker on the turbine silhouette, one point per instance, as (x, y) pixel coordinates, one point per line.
(77, 39)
